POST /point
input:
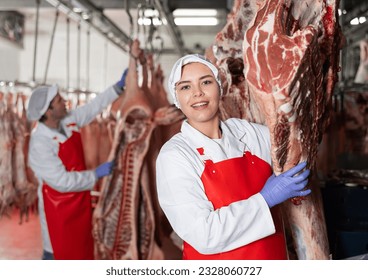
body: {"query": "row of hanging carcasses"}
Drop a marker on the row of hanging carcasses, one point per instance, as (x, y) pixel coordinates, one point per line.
(128, 126)
(18, 186)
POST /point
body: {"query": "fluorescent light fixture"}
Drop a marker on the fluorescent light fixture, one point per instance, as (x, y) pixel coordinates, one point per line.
(354, 21)
(343, 12)
(147, 21)
(193, 21)
(77, 10)
(362, 19)
(144, 21)
(195, 12)
(151, 13)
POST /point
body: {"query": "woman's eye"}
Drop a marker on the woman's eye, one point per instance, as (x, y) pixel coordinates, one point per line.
(184, 87)
(207, 82)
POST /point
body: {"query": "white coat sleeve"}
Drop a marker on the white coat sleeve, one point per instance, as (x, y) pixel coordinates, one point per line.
(192, 216)
(48, 167)
(86, 113)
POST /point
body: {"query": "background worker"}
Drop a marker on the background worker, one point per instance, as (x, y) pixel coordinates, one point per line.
(57, 159)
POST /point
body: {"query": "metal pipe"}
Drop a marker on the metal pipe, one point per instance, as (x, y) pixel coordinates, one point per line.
(50, 48)
(88, 57)
(127, 10)
(171, 26)
(36, 40)
(67, 52)
(79, 56)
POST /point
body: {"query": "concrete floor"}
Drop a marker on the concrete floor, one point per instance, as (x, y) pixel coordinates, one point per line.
(20, 241)
(23, 241)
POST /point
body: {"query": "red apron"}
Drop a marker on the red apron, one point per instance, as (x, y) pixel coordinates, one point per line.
(233, 180)
(69, 215)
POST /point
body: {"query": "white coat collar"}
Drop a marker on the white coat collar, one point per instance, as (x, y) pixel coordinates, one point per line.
(43, 130)
(232, 147)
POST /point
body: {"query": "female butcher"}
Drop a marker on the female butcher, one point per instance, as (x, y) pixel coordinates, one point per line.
(57, 159)
(214, 178)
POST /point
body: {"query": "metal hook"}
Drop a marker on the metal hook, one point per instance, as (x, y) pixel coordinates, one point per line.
(127, 9)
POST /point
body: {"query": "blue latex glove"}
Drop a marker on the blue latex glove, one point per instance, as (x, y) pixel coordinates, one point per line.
(279, 188)
(121, 83)
(104, 169)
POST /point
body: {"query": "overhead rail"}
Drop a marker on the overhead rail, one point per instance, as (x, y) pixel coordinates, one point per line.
(85, 11)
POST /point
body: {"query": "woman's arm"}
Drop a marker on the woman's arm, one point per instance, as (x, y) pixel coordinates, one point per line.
(192, 216)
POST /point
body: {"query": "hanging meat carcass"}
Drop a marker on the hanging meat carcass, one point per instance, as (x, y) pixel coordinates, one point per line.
(227, 53)
(7, 191)
(361, 75)
(25, 189)
(17, 186)
(289, 50)
(123, 219)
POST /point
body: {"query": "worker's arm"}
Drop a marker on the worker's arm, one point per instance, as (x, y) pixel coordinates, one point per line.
(48, 167)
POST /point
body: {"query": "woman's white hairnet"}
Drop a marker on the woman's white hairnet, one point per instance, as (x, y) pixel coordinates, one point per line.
(175, 74)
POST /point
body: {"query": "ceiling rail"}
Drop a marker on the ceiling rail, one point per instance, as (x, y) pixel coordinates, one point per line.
(95, 18)
(166, 16)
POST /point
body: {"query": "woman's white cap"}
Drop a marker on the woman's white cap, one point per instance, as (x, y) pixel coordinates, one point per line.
(175, 74)
(40, 101)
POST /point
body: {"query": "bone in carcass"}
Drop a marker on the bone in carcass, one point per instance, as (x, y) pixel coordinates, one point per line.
(362, 73)
(291, 65)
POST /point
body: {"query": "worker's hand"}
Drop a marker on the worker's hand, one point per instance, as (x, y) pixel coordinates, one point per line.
(121, 83)
(104, 169)
(279, 188)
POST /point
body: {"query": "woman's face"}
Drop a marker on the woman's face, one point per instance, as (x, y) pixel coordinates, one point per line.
(198, 94)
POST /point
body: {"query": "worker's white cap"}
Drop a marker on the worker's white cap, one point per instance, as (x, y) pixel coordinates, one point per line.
(40, 101)
(175, 74)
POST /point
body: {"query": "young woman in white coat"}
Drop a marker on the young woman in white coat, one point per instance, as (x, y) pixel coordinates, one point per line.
(214, 178)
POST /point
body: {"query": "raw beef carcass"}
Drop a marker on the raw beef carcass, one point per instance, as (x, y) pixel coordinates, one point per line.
(362, 73)
(227, 53)
(291, 64)
(123, 224)
(7, 191)
(26, 190)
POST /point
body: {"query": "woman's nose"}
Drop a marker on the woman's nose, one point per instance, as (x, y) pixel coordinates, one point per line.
(198, 91)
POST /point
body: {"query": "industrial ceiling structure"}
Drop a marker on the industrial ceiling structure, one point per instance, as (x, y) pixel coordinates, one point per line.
(118, 20)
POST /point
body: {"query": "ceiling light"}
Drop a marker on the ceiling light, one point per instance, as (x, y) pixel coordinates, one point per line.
(362, 19)
(148, 21)
(354, 21)
(192, 21)
(144, 21)
(341, 12)
(151, 13)
(195, 12)
(77, 10)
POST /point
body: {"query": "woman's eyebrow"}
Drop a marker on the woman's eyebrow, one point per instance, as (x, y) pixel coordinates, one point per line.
(201, 78)
(206, 76)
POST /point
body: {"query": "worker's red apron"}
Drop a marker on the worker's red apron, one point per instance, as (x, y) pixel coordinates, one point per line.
(233, 180)
(69, 215)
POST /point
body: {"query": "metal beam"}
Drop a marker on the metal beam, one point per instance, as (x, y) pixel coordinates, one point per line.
(166, 16)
